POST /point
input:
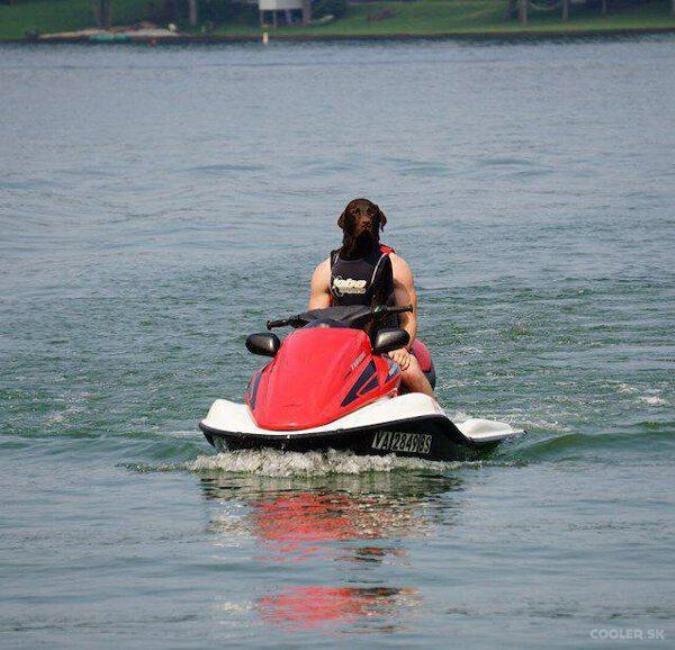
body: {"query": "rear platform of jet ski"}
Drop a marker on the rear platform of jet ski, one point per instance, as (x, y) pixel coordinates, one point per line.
(412, 425)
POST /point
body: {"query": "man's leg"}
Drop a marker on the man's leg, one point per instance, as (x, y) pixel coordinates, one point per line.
(415, 380)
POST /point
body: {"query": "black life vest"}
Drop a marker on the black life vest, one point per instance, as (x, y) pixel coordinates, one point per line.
(367, 281)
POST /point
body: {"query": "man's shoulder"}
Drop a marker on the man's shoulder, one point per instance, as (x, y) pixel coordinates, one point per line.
(322, 270)
(323, 265)
(400, 267)
(397, 260)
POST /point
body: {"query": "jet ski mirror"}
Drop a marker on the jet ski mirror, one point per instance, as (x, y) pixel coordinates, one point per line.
(391, 338)
(265, 343)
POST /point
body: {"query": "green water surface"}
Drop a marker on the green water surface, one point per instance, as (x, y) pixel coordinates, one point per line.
(158, 205)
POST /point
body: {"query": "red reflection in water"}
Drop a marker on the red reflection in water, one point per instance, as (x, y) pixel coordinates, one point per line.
(356, 528)
(304, 517)
(317, 605)
(302, 521)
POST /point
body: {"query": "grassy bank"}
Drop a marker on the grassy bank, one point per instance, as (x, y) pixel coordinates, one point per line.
(48, 16)
(422, 18)
(466, 17)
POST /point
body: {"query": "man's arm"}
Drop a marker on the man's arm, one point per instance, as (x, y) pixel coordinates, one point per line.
(320, 288)
(404, 291)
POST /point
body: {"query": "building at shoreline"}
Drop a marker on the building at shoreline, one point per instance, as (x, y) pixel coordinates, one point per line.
(290, 10)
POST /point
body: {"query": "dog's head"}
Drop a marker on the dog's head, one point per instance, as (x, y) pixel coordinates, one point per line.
(361, 223)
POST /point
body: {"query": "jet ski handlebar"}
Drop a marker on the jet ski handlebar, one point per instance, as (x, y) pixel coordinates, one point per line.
(350, 316)
(283, 322)
(385, 311)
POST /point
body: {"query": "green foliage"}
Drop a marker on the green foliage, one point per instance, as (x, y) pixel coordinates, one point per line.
(337, 8)
(45, 16)
(228, 11)
(424, 17)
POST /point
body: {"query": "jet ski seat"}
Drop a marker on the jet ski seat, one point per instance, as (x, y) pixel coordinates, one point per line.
(423, 356)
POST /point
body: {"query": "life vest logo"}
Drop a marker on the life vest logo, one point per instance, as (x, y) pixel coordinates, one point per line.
(342, 286)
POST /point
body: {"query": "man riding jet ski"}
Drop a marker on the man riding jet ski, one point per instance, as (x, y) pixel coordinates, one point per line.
(365, 272)
(345, 378)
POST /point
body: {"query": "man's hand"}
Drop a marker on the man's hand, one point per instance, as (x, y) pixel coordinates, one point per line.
(402, 358)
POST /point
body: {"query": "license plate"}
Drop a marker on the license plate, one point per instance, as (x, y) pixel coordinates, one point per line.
(413, 443)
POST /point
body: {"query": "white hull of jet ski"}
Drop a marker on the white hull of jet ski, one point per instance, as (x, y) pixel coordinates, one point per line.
(413, 424)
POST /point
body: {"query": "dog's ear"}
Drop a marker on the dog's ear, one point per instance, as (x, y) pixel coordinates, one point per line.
(342, 221)
(382, 217)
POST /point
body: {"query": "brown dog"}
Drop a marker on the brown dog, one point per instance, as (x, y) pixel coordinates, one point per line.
(361, 223)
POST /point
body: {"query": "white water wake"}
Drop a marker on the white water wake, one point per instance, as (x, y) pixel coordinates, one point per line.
(275, 463)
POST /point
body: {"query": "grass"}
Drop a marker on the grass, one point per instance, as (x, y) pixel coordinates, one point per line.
(437, 17)
(422, 18)
(48, 16)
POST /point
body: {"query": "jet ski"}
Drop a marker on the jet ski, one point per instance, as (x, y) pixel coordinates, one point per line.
(331, 385)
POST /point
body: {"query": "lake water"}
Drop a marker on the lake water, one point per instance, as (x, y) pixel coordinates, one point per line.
(156, 205)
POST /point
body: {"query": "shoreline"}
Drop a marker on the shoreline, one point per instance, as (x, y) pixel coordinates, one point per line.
(216, 39)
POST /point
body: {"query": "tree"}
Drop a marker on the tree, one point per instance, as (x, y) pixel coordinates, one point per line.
(193, 13)
(522, 11)
(307, 12)
(511, 9)
(102, 13)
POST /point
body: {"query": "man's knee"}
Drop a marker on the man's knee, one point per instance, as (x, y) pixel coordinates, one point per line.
(415, 380)
(413, 369)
